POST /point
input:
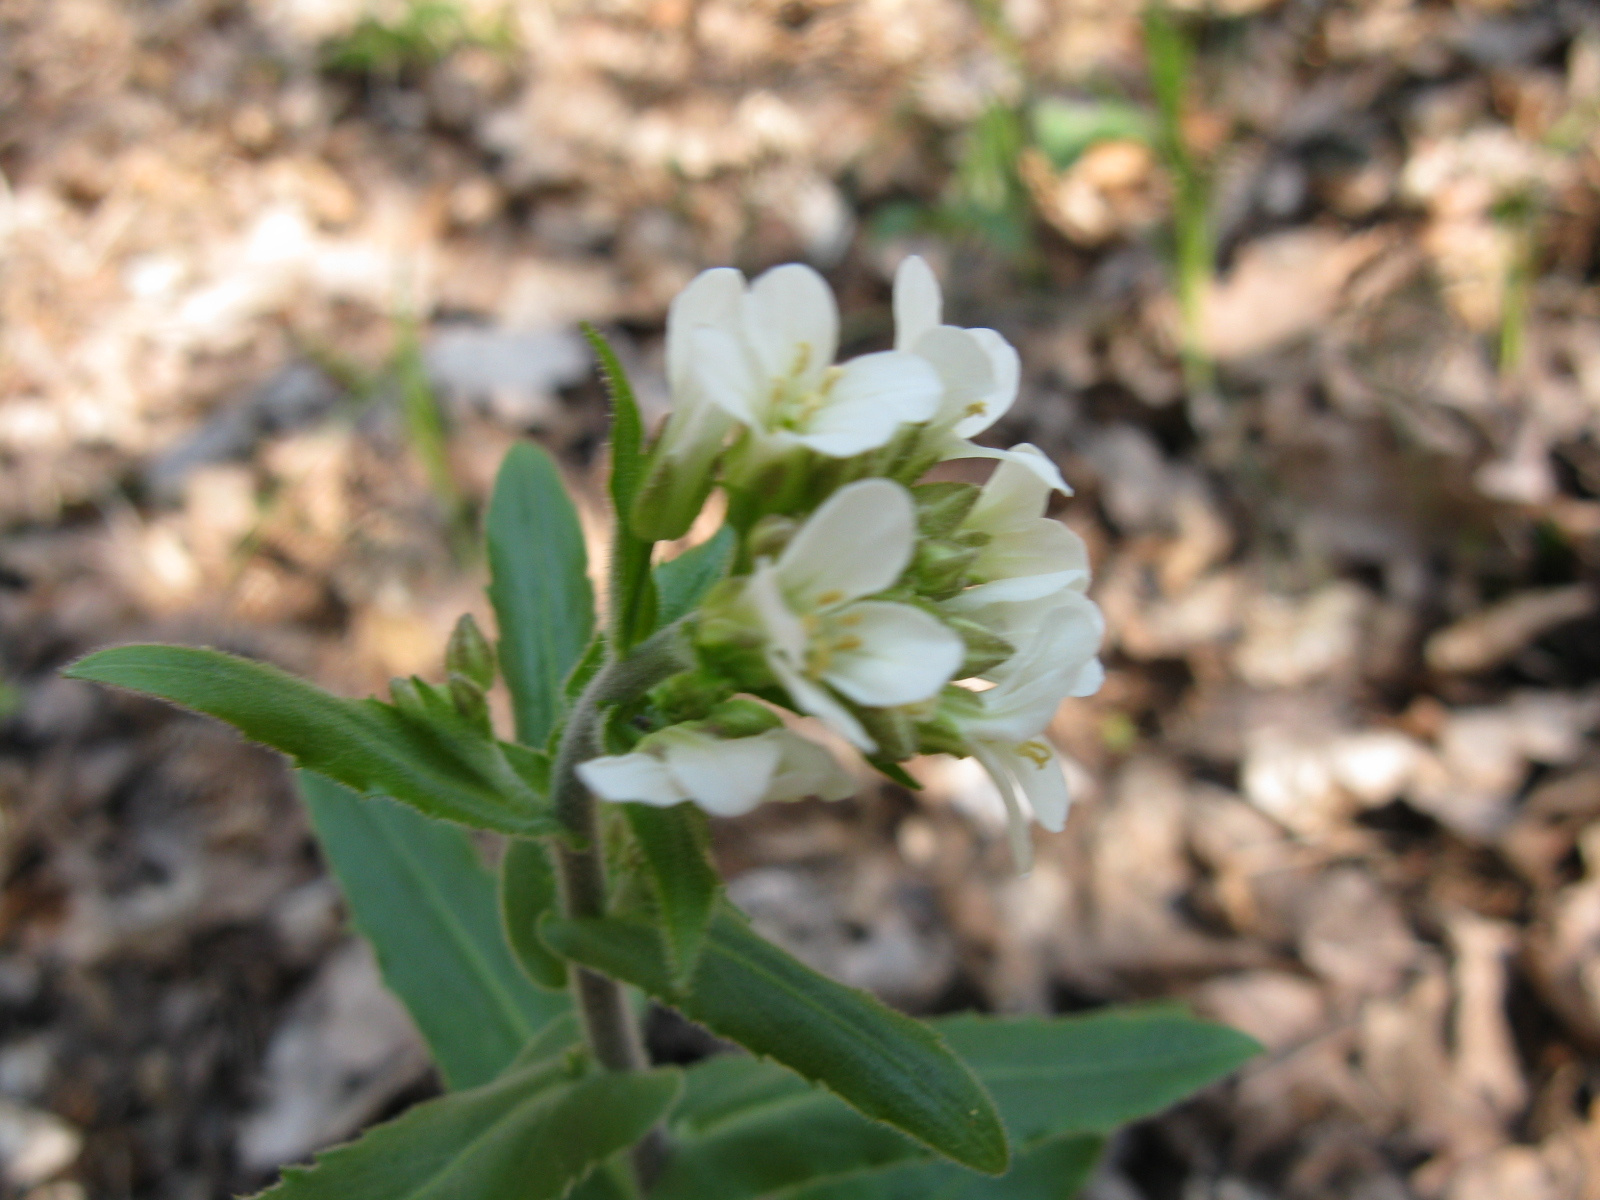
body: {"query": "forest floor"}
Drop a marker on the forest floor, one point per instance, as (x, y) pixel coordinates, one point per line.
(279, 284)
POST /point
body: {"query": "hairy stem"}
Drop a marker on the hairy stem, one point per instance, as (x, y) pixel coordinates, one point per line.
(608, 1026)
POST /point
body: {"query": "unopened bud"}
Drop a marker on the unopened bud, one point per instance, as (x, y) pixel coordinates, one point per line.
(940, 567)
(895, 731)
(408, 698)
(739, 717)
(770, 535)
(690, 695)
(941, 507)
(467, 696)
(469, 653)
(985, 648)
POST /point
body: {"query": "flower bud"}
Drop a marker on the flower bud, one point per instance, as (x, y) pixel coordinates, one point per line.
(727, 639)
(690, 695)
(985, 648)
(408, 698)
(941, 507)
(895, 731)
(469, 653)
(770, 535)
(940, 567)
(739, 717)
(468, 698)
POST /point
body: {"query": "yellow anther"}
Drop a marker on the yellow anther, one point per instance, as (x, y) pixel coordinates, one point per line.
(1035, 752)
(976, 409)
(849, 642)
(833, 596)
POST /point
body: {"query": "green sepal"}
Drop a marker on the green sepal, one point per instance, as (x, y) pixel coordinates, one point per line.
(894, 772)
(895, 731)
(690, 695)
(941, 507)
(985, 648)
(939, 568)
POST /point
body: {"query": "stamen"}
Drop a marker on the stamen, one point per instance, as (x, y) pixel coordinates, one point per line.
(1035, 752)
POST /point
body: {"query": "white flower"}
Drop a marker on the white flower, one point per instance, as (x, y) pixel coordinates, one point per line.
(1058, 637)
(979, 369)
(724, 776)
(1028, 555)
(822, 638)
(766, 361)
(680, 472)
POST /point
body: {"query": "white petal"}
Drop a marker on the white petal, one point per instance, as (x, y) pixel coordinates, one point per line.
(726, 777)
(1089, 679)
(1016, 820)
(900, 654)
(1025, 454)
(806, 769)
(791, 321)
(871, 398)
(785, 632)
(1015, 494)
(812, 698)
(641, 778)
(1006, 367)
(917, 302)
(724, 374)
(964, 371)
(712, 298)
(1043, 782)
(694, 433)
(1036, 560)
(857, 543)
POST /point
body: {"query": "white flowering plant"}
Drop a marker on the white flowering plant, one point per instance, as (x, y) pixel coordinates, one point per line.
(845, 592)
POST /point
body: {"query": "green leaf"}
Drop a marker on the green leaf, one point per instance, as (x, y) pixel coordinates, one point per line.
(539, 586)
(888, 1066)
(633, 589)
(527, 892)
(362, 744)
(1055, 1080)
(748, 1128)
(1053, 1170)
(418, 892)
(676, 845)
(682, 582)
(529, 1136)
(1093, 1073)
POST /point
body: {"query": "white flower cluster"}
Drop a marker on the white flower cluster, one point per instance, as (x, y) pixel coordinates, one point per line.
(909, 617)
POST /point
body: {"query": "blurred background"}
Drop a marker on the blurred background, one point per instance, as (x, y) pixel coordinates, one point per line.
(1305, 297)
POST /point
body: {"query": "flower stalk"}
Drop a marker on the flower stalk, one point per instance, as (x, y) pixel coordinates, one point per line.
(608, 1027)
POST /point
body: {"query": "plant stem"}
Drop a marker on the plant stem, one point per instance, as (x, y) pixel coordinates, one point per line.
(608, 1026)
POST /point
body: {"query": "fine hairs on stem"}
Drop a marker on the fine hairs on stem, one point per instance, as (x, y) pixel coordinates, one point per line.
(608, 1026)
